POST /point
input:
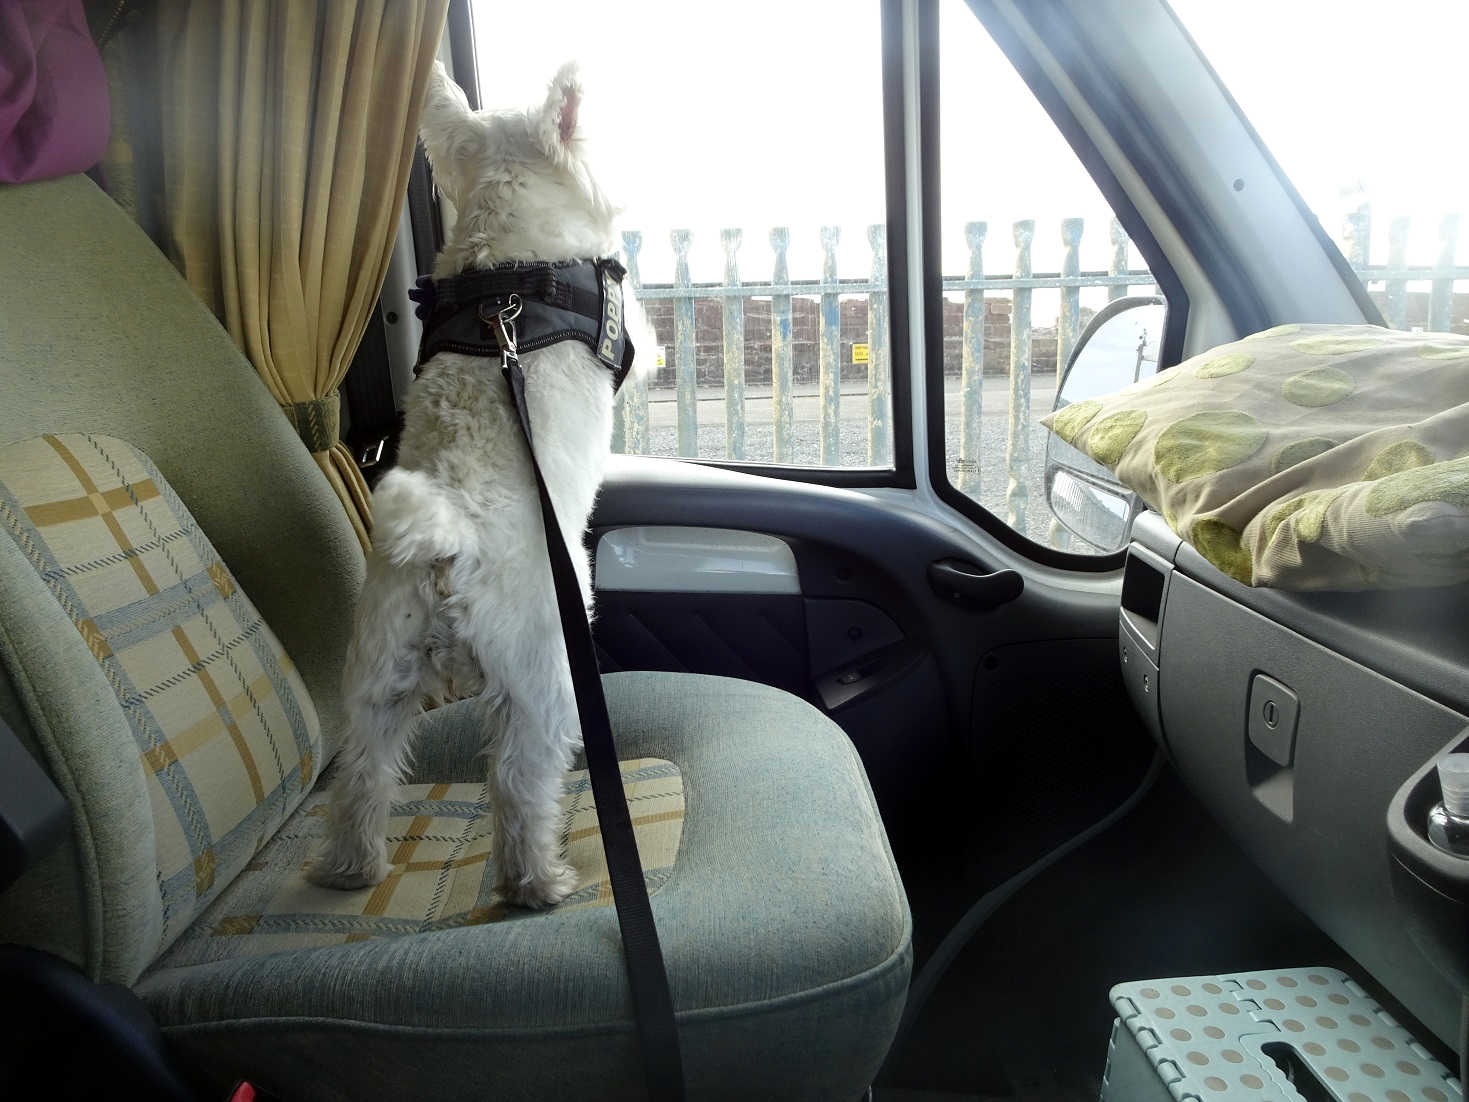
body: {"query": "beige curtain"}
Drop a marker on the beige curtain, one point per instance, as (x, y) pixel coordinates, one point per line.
(287, 132)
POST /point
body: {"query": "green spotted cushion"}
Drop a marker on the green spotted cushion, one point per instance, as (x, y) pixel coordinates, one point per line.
(439, 845)
(181, 698)
(1303, 457)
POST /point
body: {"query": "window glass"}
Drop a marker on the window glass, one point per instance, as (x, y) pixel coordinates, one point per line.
(1355, 102)
(746, 148)
(1031, 251)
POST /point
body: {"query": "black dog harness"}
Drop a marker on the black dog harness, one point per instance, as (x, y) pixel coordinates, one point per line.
(562, 300)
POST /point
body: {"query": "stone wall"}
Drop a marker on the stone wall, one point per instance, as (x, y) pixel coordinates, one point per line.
(806, 336)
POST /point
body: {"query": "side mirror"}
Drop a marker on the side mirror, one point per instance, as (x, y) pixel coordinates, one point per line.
(1118, 348)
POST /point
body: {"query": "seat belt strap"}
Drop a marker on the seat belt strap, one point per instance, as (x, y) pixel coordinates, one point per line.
(34, 815)
(652, 1001)
(372, 407)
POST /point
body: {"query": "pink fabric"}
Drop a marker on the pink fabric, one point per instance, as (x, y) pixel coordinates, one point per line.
(54, 113)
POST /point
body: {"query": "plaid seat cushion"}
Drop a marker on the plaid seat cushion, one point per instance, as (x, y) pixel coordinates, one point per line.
(222, 728)
(439, 841)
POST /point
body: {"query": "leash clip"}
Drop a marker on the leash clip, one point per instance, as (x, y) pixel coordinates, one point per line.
(505, 326)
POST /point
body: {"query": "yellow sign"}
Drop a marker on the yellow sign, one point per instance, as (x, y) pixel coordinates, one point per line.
(659, 359)
(859, 354)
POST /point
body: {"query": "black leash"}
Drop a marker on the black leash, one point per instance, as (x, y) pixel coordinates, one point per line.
(652, 1001)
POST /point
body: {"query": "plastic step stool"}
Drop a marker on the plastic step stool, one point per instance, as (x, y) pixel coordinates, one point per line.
(1292, 1035)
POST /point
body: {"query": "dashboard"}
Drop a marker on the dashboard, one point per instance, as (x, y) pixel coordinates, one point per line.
(1308, 725)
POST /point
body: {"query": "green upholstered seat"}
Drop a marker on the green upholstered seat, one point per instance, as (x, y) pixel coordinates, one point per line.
(783, 920)
(99, 335)
(783, 925)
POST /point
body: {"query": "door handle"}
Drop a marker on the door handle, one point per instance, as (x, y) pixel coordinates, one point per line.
(966, 583)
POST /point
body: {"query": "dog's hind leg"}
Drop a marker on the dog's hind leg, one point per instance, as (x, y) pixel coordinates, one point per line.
(527, 778)
(382, 689)
(525, 661)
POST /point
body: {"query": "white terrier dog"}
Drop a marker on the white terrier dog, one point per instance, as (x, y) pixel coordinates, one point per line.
(458, 598)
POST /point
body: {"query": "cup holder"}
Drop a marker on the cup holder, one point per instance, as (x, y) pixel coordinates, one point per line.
(1431, 886)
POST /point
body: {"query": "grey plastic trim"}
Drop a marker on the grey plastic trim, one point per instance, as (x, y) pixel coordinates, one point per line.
(1414, 636)
(677, 559)
(400, 323)
(1152, 532)
(1208, 321)
(1141, 679)
(894, 529)
(1237, 187)
(1147, 630)
(874, 546)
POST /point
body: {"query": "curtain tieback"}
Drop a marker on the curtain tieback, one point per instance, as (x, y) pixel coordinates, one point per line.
(318, 422)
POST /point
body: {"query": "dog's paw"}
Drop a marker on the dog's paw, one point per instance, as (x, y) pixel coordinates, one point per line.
(544, 891)
(331, 869)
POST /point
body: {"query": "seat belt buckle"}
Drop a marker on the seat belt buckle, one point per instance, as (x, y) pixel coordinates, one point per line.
(369, 456)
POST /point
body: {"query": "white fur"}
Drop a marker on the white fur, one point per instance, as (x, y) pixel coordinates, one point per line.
(458, 599)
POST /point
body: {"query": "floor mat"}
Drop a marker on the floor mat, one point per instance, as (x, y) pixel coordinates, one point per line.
(1023, 1012)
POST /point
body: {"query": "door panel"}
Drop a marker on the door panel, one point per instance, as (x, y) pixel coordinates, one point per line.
(755, 637)
(923, 684)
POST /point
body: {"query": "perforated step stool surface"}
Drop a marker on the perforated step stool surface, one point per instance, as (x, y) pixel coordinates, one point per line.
(1249, 1035)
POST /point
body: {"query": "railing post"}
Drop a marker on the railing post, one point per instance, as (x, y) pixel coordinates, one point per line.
(781, 402)
(879, 370)
(1068, 325)
(1017, 440)
(686, 370)
(631, 409)
(1359, 237)
(971, 368)
(1068, 328)
(1118, 265)
(1441, 298)
(830, 352)
(734, 349)
(1397, 259)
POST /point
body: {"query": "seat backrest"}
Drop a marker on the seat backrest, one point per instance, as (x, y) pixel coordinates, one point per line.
(128, 415)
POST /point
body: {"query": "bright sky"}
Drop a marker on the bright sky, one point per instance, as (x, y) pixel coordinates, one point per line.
(770, 114)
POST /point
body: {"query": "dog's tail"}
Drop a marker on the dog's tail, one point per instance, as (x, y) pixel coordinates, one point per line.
(415, 521)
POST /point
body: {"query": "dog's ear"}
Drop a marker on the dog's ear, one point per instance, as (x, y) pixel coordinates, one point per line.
(449, 129)
(556, 129)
